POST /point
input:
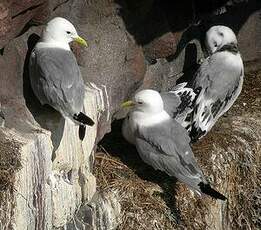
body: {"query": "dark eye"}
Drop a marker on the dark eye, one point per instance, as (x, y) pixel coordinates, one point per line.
(139, 102)
(68, 32)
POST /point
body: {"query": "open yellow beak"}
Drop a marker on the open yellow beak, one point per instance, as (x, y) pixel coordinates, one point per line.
(81, 41)
(127, 104)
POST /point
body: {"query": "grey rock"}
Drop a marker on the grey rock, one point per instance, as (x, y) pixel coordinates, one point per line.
(102, 213)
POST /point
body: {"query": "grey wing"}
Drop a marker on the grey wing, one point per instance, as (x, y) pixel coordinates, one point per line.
(126, 130)
(56, 80)
(166, 148)
(171, 102)
(219, 85)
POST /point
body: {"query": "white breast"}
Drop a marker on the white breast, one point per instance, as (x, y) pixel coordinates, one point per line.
(140, 119)
(53, 45)
(230, 59)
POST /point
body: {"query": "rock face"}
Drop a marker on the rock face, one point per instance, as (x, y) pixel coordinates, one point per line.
(55, 174)
(45, 171)
(103, 212)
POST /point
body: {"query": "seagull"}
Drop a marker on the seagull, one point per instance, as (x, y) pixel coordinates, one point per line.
(163, 143)
(177, 103)
(55, 75)
(217, 83)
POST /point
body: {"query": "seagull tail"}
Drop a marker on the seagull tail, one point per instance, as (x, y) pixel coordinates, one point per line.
(206, 189)
(82, 130)
(196, 133)
(83, 119)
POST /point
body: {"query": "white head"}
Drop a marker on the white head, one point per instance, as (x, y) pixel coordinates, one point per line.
(61, 31)
(218, 36)
(146, 101)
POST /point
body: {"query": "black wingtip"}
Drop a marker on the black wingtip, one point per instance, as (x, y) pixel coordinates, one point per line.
(206, 189)
(82, 131)
(196, 133)
(84, 119)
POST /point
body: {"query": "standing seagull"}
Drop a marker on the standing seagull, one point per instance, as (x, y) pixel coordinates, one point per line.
(218, 82)
(55, 75)
(163, 143)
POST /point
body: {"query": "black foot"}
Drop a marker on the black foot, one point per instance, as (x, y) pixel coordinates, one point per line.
(82, 131)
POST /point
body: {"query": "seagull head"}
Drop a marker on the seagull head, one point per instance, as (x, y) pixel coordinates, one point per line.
(218, 36)
(146, 101)
(59, 30)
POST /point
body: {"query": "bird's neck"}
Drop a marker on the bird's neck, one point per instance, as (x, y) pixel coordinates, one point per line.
(51, 43)
(230, 47)
(141, 119)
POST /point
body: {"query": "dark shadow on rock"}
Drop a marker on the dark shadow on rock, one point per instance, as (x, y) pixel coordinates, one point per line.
(117, 146)
(142, 19)
(28, 93)
(235, 16)
(46, 116)
(193, 32)
(147, 20)
(2, 51)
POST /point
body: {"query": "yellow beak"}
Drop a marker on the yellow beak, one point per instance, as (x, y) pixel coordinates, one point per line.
(128, 104)
(81, 41)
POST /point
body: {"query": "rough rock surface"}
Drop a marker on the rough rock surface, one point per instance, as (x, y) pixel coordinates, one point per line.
(45, 172)
(55, 174)
(102, 212)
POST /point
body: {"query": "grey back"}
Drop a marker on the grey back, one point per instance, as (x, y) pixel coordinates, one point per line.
(56, 79)
(166, 147)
